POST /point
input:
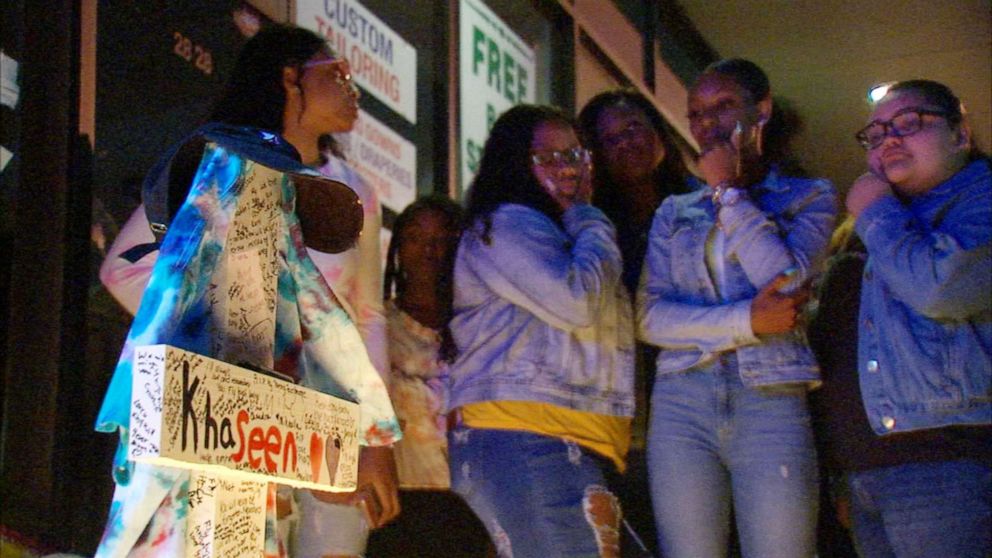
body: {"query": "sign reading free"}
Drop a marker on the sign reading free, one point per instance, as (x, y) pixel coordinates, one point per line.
(496, 71)
(381, 61)
(199, 413)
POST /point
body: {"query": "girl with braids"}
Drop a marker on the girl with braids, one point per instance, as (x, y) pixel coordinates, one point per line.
(418, 294)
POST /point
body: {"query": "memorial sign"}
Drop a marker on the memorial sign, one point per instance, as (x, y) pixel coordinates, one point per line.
(195, 412)
(226, 516)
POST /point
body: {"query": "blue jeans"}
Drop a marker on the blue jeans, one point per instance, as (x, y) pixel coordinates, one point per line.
(713, 442)
(538, 496)
(923, 509)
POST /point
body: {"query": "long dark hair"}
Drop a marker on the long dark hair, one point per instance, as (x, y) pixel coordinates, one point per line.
(784, 123)
(393, 279)
(505, 174)
(669, 177)
(940, 95)
(254, 95)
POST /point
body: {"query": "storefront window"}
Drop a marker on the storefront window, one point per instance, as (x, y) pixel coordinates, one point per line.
(507, 56)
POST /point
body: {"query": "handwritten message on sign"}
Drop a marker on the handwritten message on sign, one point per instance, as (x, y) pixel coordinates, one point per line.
(226, 516)
(191, 411)
(242, 296)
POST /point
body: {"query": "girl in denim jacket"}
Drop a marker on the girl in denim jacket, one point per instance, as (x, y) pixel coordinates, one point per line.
(924, 359)
(541, 389)
(719, 294)
(287, 88)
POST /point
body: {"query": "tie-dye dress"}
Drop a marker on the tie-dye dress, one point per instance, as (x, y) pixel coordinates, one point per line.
(315, 342)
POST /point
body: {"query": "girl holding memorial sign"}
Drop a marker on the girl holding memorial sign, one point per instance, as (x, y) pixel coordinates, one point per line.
(541, 389)
(287, 89)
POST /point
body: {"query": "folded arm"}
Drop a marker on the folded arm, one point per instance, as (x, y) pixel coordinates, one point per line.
(672, 322)
(766, 247)
(943, 272)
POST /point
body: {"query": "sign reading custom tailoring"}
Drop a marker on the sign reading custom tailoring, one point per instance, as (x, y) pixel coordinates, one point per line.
(496, 71)
(381, 61)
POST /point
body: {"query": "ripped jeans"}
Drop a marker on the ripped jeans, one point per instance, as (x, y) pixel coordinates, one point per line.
(714, 443)
(538, 496)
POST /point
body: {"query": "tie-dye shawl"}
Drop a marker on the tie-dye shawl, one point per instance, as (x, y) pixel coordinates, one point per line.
(315, 342)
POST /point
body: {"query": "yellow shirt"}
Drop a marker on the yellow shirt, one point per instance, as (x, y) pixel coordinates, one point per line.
(606, 435)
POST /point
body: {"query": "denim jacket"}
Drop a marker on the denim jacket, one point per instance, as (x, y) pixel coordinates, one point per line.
(541, 313)
(925, 340)
(784, 223)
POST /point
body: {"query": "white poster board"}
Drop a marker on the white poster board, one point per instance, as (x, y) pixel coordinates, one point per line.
(226, 516)
(195, 412)
(381, 61)
(238, 429)
(496, 71)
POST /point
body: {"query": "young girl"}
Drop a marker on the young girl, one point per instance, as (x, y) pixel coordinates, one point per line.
(729, 423)
(288, 88)
(418, 293)
(924, 352)
(541, 390)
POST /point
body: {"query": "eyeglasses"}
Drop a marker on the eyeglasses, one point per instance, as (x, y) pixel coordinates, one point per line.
(342, 74)
(571, 156)
(904, 123)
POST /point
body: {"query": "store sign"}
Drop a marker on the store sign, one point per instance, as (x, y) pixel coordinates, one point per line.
(496, 71)
(381, 61)
(386, 160)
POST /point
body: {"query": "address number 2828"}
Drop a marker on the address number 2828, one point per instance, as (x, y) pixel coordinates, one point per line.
(193, 53)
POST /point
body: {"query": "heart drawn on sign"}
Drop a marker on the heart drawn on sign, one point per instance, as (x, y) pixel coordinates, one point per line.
(333, 455)
(316, 456)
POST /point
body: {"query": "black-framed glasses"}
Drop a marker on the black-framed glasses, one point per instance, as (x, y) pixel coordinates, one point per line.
(571, 156)
(904, 123)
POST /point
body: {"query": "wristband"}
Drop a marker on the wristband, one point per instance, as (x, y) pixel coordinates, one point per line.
(726, 194)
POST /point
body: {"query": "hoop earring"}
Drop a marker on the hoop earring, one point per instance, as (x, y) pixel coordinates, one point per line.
(759, 131)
